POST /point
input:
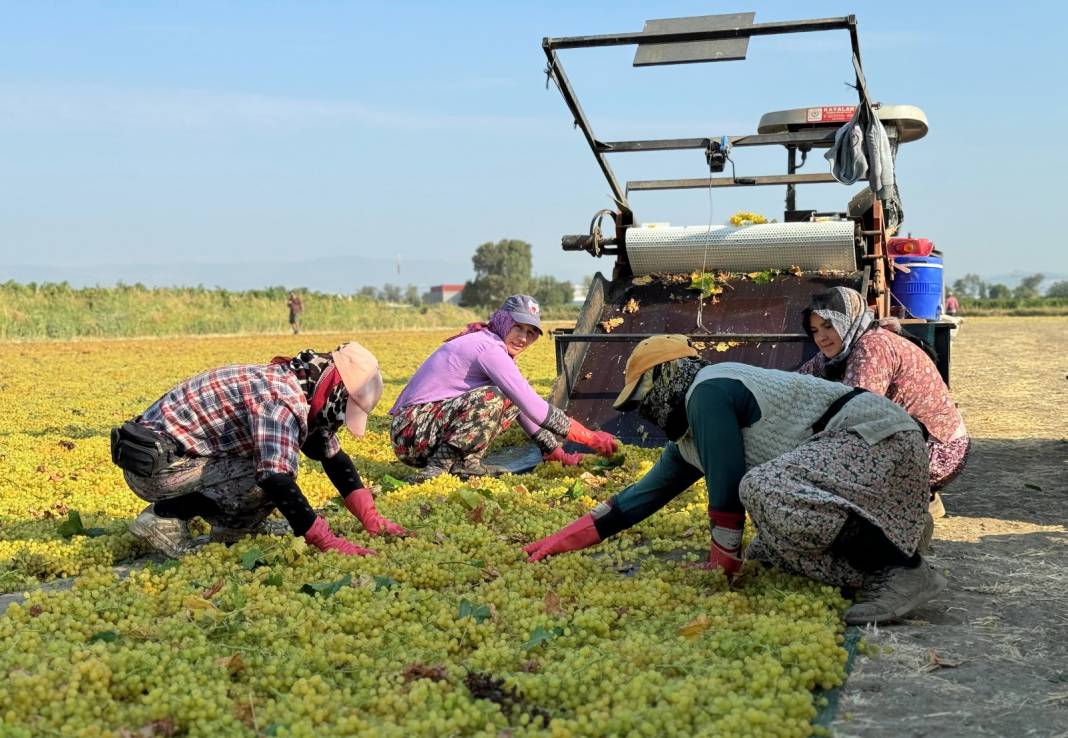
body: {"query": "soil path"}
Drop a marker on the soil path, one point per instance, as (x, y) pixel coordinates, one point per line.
(989, 657)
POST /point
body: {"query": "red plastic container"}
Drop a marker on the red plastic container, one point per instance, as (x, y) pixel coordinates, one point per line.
(900, 246)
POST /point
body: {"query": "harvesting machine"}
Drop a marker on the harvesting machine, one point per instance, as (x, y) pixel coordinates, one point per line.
(737, 291)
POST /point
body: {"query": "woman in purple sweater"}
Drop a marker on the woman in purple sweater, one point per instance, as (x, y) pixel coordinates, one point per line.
(470, 389)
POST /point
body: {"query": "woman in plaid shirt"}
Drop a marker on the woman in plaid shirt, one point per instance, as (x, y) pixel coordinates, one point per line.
(230, 440)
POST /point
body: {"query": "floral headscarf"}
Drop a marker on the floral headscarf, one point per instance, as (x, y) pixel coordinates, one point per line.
(665, 403)
(847, 312)
(499, 324)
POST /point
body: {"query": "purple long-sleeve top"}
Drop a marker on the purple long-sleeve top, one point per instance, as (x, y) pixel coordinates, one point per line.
(476, 359)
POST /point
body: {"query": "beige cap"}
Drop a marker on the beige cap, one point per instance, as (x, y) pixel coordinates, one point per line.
(359, 372)
(648, 354)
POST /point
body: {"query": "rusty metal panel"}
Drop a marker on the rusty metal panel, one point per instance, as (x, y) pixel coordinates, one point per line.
(666, 305)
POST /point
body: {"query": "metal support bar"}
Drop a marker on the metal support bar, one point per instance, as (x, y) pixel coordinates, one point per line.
(666, 37)
(556, 71)
(705, 182)
(811, 138)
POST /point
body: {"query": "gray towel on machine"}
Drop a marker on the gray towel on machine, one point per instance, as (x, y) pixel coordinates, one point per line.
(861, 148)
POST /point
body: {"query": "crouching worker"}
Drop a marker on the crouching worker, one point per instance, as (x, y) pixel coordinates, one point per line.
(225, 444)
(834, 478)
(470, 389)
(860, 352)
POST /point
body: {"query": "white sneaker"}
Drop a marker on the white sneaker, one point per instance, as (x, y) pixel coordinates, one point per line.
(169, 536)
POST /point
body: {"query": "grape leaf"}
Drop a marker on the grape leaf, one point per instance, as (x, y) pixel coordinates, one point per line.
(326, 589)
(107, 636)
(252, 558)
(705, 282)
(385, 582)
(611, 462)
(469, 609)
(390, 483)
(540, 635)
(274, 580)
(577, 489)
(73, 526)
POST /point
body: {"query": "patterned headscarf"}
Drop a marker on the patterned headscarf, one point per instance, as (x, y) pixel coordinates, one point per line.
(848, 314)
(665, 404)
(322, 386)
(499, 324)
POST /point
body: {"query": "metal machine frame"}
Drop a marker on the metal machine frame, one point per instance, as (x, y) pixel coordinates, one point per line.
(705, 39)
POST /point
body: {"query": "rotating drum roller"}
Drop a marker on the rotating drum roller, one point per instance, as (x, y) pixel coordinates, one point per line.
(683, 249)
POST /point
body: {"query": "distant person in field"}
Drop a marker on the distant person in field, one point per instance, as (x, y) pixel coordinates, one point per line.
(296, 307)
(857, 350)
(834, 480)
(952, 305)
(470, 389)
(225, 446)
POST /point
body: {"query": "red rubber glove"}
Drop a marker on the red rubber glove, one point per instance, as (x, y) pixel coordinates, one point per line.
(320, 536)
(726, 548)
(361, 504)
(603, 443)
(580, 534)
(558, 454)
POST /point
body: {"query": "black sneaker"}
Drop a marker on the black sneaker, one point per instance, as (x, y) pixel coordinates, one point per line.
(892, 593)
(474, 467)
(434, 468)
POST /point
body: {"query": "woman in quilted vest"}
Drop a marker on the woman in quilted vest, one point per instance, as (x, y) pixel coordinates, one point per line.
(834, 479)
(860, 352)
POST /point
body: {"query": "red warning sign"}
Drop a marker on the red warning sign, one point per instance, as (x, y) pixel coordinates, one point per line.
(831, 114)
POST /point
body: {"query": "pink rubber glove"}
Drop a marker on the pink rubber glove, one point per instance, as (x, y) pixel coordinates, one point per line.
(320, 536)
(361, 504)
(580, 534)
(726, 548)
(603, 443)
(558, 454)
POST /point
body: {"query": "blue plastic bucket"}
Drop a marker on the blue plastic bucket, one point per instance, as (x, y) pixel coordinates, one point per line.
(919, 290)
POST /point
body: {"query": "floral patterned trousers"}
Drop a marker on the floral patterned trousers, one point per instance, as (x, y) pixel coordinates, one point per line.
(460, 427)
(947, 460)
(800, 500)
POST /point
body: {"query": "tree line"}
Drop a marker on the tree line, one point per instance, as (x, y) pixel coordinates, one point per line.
(972, 287)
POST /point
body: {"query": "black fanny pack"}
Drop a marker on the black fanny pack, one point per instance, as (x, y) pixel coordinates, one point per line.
(139, 450)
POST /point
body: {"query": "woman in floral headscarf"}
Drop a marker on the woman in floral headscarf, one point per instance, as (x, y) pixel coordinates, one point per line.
(860, 352)
(470, 389)
(225, 445)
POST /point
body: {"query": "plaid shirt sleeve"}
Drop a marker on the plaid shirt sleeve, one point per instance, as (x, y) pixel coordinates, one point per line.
(276, 435)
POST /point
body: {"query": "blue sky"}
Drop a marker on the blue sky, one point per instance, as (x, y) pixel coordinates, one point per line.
(288, 131)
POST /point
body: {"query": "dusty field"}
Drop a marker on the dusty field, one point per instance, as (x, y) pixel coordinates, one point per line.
(990, 656)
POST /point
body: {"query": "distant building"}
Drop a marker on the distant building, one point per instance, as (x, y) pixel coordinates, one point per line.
(449, 293)
(578, 292)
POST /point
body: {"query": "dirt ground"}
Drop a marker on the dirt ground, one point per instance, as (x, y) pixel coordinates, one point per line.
(989, 657)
